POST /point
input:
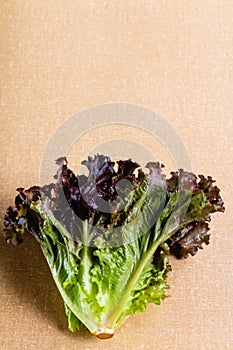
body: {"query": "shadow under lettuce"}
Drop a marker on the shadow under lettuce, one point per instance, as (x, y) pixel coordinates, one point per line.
(24, 269)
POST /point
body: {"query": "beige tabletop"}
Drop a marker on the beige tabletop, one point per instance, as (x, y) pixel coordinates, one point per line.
(174, 58)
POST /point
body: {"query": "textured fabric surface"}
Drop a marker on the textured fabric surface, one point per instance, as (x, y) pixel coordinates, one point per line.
(174, 57)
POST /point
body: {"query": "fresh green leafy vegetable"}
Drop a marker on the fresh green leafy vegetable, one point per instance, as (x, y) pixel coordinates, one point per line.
(107, 236)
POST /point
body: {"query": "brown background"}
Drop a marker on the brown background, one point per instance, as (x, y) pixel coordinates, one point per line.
(174, 57)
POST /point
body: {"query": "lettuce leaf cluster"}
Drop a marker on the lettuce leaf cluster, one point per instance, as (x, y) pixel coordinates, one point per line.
(107, 236)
